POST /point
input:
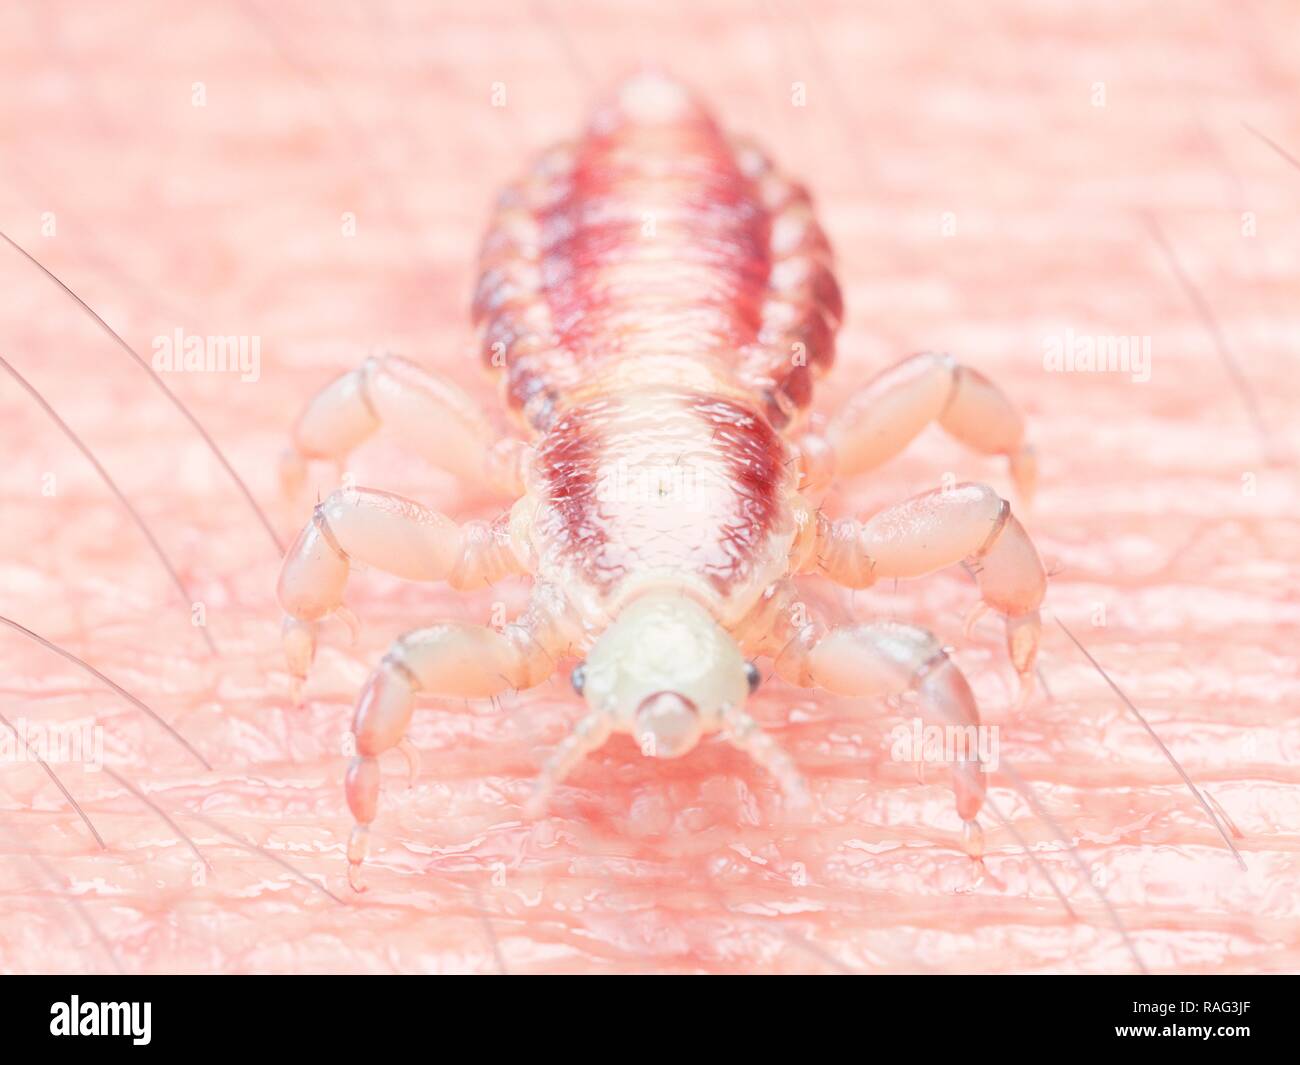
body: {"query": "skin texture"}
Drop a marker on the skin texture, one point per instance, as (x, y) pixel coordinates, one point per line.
(983, 194)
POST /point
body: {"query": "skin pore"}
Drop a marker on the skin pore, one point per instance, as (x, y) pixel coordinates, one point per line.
(319, 180)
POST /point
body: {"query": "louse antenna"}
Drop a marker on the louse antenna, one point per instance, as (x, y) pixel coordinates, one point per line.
(58, 783)
(104, 476)
(172, 398)
(1196, 792)
(88, 668)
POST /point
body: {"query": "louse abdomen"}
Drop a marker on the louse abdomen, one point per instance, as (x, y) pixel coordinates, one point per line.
(655, 235)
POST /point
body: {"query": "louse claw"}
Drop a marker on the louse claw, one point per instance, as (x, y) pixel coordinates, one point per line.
(1025, 691)
(358, 843)
(299, 639)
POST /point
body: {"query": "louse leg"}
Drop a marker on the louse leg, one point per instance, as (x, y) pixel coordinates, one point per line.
(888, 658)
(430, 412)
(452, 659)
(878, 422)
(968, 522)
(391, 532)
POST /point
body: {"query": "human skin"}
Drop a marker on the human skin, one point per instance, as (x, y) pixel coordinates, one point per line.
(982, 194)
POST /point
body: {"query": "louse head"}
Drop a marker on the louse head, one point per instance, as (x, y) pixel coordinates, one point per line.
(666, 672)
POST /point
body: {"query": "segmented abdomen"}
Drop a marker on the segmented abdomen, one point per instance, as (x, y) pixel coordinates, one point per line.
(655, 235)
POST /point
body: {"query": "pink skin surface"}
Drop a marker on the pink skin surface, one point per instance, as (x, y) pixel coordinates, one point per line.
(990, 180)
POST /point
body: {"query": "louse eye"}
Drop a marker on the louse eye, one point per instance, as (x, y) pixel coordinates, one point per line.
(754, 677)
(578, 678)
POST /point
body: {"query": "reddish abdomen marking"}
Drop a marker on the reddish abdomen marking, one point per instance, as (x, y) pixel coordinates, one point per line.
(661, 479)
(659, 246)
(653, 236)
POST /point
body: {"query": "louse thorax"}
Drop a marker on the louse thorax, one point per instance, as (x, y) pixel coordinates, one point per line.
(659, 476)
(661, 504)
